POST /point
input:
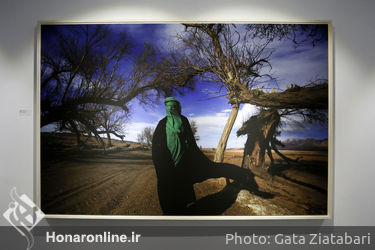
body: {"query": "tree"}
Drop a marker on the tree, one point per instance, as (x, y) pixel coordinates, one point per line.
(262, 130)
(89, 75)
(194, 129)
(103, 120)
(218, 53)
(112, 121)
(145, 137)
(236, 57)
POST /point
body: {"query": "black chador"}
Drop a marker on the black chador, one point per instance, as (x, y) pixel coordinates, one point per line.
(179, 163)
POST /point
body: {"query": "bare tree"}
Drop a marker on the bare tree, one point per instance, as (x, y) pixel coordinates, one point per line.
(87, 71)
(194, 129)
(112, 120)
(263, 128)
(220, 54)
(102, 120)
(145, 137)
(237, 58)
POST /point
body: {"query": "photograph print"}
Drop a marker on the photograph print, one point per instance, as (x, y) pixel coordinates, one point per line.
(184, 119)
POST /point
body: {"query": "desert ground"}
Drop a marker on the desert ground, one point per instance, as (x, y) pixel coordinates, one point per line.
(122, 181)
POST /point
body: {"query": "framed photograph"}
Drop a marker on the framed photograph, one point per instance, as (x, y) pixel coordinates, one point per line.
(195, 120)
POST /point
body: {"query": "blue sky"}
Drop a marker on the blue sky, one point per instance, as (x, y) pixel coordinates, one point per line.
(290, 65)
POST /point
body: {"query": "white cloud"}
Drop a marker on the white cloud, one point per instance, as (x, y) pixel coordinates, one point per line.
(210, 127)
(244, 114)
(222, 114)
(167, 36)
(156, 115)
(134, 128)
(299, 66)
(226, 110)
(49, 128)
(292, 123)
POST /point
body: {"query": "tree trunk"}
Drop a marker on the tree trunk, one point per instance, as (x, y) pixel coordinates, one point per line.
(219, 155)
(79, 142)
(261, 130)
(248, 163)
(109, 139)
(258, 154)
(262, 144)
(77, 133)
(255, 149)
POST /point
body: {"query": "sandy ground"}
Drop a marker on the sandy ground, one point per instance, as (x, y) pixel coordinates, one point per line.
(123, 182)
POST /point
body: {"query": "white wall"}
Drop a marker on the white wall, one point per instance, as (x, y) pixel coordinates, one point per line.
(354, 84)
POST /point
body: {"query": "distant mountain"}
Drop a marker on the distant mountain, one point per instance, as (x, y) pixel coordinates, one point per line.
(305, 144)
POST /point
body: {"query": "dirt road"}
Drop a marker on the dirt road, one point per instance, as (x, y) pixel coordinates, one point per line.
(124, 183)
(114, 184)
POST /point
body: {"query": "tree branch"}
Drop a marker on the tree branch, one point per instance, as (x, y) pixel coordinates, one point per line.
(315, 97)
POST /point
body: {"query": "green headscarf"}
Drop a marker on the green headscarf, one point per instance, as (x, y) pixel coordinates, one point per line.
(174, 128)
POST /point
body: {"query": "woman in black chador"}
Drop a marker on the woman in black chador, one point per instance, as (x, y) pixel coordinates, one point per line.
(179, 163)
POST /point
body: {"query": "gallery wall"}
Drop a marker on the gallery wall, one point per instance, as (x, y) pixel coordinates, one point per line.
(353, 71)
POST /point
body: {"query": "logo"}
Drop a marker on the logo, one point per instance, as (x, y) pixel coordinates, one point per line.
(24, 215)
